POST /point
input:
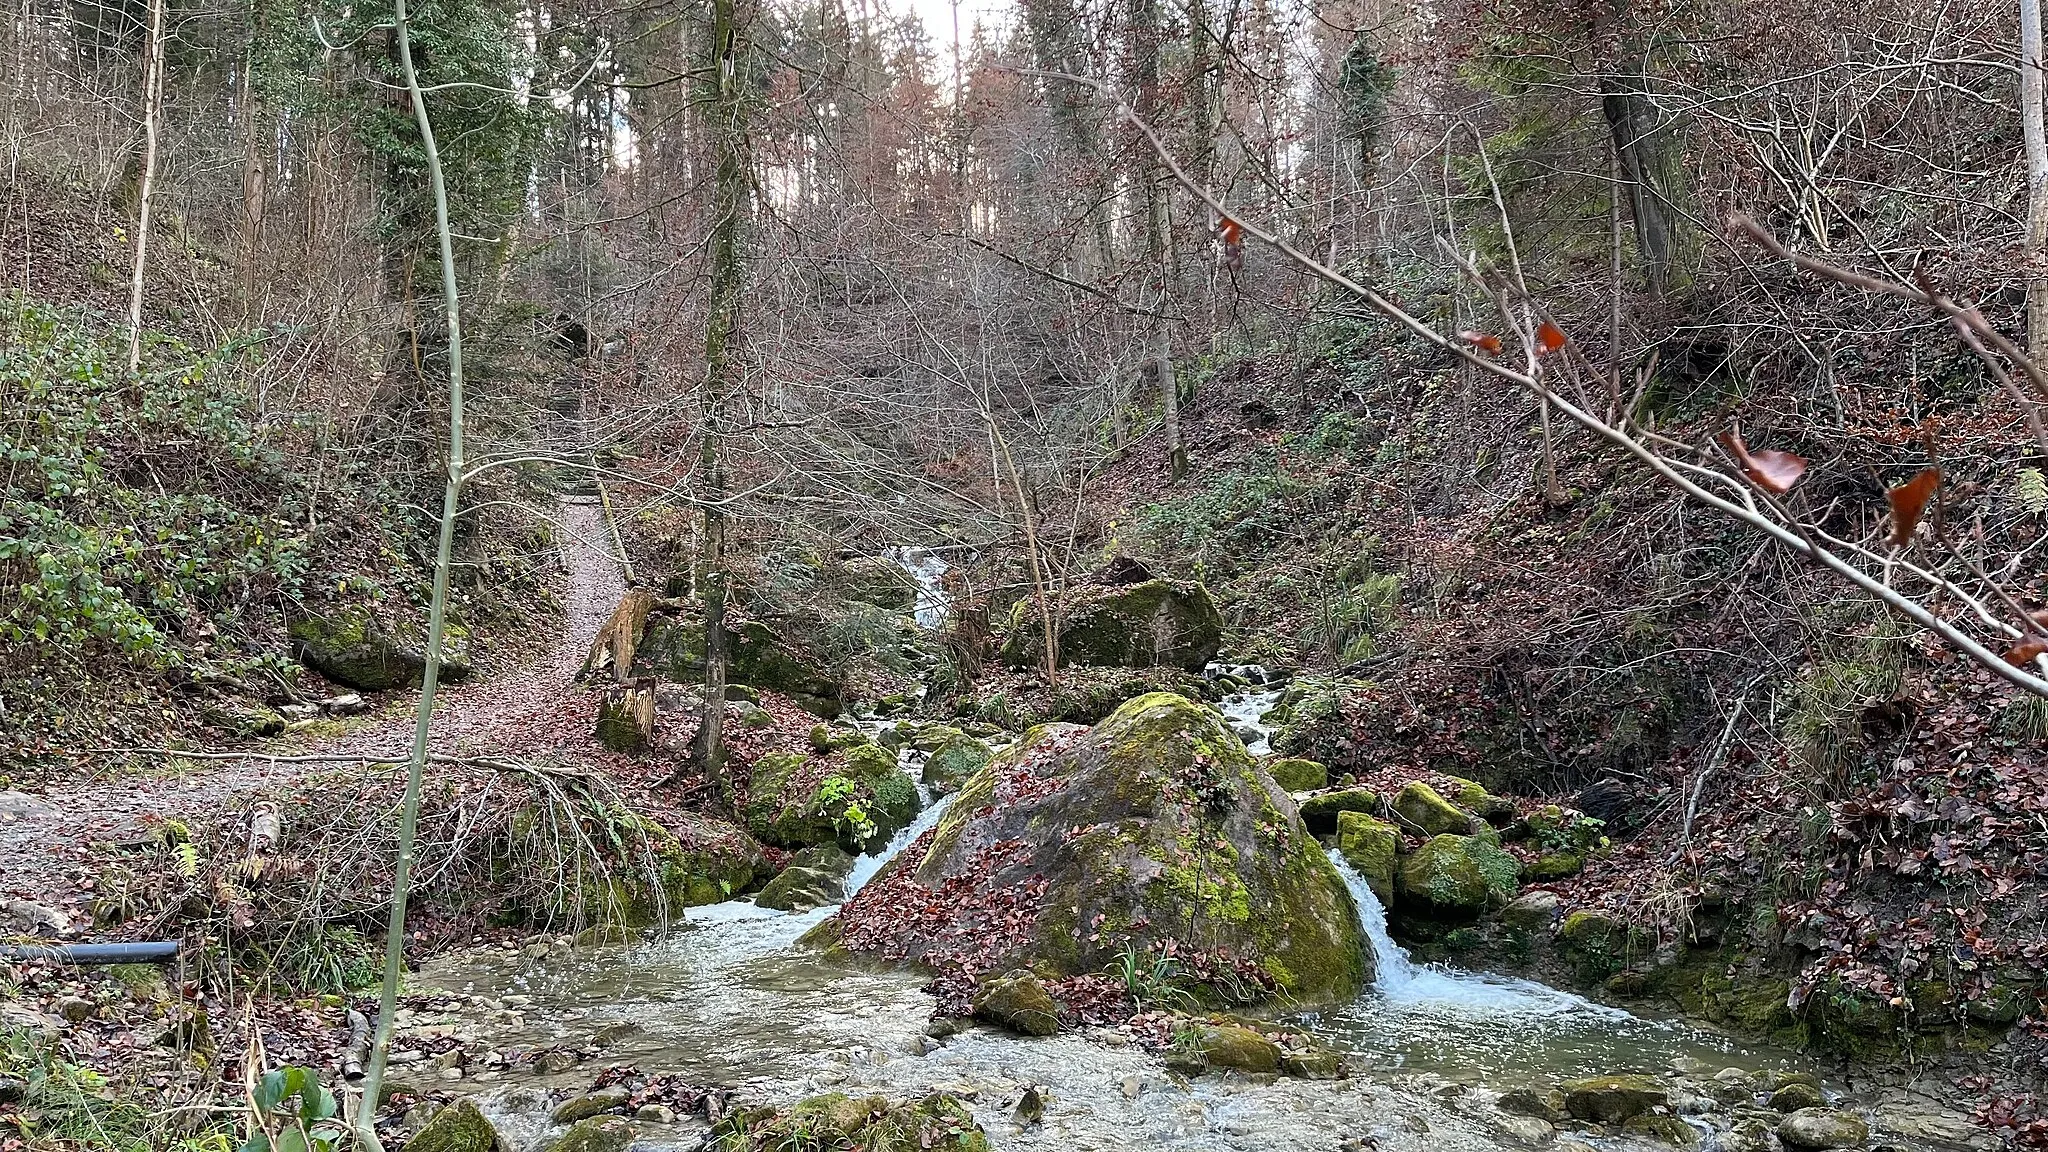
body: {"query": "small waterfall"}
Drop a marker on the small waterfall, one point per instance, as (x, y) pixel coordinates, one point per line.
(867, 867)
(1403, 983)
(930, 573)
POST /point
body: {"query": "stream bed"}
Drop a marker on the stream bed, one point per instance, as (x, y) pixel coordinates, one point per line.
(730, 998)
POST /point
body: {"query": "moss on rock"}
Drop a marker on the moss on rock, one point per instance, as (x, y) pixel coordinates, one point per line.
(1422, 808)
(1158, 622)
(1456, 877)
(1370, 845)
(353, 646)
(952, 760)
(1018, 1001)
(795, 801)
(597, 1134)
(459, 1127)
(1154, 827)
(1298, 775)
(1321, 812)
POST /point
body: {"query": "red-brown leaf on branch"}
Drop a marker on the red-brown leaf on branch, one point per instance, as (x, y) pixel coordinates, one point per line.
(1909, 503)
(1549, 338)
(1769, 469)
(2024, 652)
(1484, 341)
(1231, 231)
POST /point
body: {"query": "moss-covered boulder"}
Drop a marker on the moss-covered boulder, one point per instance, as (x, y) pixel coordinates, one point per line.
(697, 860)
(1614, 1099)
(1298, 775)
(1234, 1046)
(1370, 845)
(1419, 806)
(1818, 1129)
(353, 646)
(459, 1127)
(672, 646)
(1455, 877)
(874, 580)
(1473, 798)
(597, 1134)
(1155, 827)
(952, 760)
(857, 799)
(1018, 1001)
(1797, 1095)
(1158, 622)
(1555, 866)
(831, 738)
(814, 878)
(1320, 812)
(939, 1123)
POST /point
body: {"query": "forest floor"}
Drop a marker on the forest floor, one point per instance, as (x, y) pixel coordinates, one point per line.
(511, 708)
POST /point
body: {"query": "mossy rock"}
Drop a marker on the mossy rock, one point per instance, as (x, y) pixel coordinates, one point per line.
(1818, 1129)
(672, 646)
(827, 738)
(1320, 812)
(353, 646)
(815, 878)
(1664, 1129)
(596, 1134)
(1541, 1103)
(791, 804)
(1158, 622)
(1455, 877)
(1797, 1095)
(956, 757)
(1614, 1099)
(1154, 820)
(1420, 807)
(697, 860)
(873, 580)
(242, 718)
(1555, 866)
(1018, 1001)
(459, 1127)
(1473, 798)
(1298, 775)
(1236, 1047)
(1370, 844)
(938, 1123)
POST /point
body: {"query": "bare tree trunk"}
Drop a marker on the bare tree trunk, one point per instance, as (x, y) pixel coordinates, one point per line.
(2037, 179)
(152, 112)
(1151, 176)
(725, 101)
(437, 612)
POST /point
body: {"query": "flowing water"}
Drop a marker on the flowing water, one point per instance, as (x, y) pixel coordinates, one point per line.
(730, 997)
(929, 571)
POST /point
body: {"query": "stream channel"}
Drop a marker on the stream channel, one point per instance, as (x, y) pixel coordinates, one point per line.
(729, 998)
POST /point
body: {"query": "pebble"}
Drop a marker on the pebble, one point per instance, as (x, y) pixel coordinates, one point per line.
(655, 1114)
(1133, 1087)
(451, 1073)
(452, 1058)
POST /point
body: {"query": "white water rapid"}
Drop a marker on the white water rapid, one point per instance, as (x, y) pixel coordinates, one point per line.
(1403, 982)
(929, 571)
(868, 867)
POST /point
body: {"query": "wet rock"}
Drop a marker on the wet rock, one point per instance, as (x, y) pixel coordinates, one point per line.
(1030, 1106)
(1018, 1001)
(1542, 1103)
(1797, 1095)
(815, 877)
(1151, 624)
(1155, 818)
(1456, 877)
(1235, 1046)
(1823, 1128)
(1419, 805)
(1132, 1087)
(1666, 1129)
(589, 1104)
(1526, 1130)
(1370, 845)
(1313, 1062)
(1747, 1136)
(1298, 775)
(655, 1114)
(597, 1134)
(1532, 912)
(1321, 811)
(1613, 1099)
(459, 1127)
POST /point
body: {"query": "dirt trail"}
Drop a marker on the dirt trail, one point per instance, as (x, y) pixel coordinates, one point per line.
(45, 840)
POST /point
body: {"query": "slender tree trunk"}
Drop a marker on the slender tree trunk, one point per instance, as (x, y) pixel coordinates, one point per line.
(152, 113)
(2037, 179)
(437, 613)
(1150, 176)
(725, 102)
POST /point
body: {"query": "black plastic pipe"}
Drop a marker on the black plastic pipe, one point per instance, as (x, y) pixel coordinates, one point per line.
(93, 953)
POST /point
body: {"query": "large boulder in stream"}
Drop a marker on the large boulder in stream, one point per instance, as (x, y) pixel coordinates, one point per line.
(857, 798)
(1456, 877)
(1153, 832)
(460, 1127)
(1159, 622)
